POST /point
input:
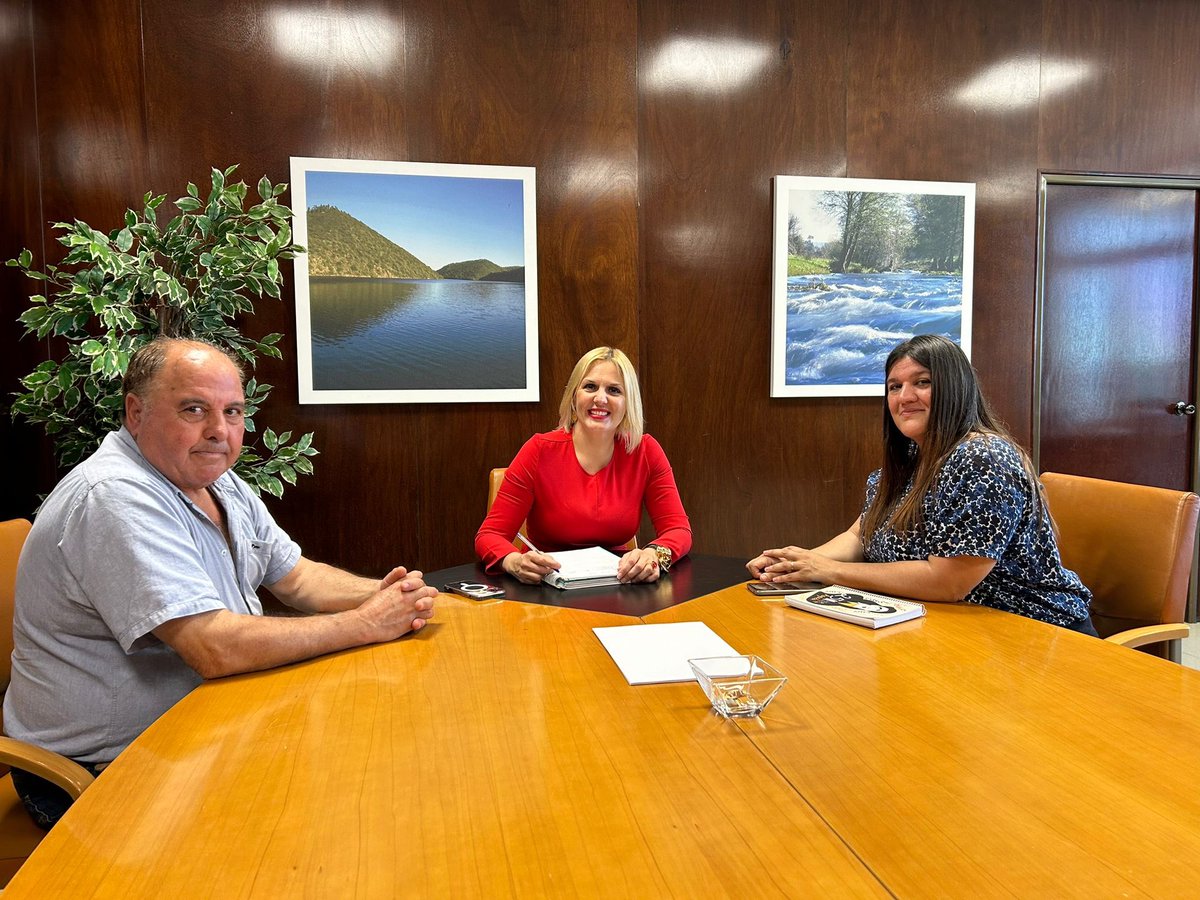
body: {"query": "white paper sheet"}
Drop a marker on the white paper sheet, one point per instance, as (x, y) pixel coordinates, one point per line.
(653, 654)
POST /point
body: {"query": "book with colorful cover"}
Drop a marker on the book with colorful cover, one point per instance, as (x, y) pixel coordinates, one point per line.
(859, 607)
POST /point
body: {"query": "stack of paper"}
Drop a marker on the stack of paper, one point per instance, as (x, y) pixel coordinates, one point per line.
(590, 567)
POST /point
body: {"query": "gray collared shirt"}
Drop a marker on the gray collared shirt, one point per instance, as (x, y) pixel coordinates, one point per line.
(116, 551)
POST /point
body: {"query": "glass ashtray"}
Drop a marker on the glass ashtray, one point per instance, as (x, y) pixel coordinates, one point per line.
(738, 686)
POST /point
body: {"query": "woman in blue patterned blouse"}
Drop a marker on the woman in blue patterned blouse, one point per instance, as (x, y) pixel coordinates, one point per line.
(955, 513)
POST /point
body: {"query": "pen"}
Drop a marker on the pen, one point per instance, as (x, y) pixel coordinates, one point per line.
(528, 543)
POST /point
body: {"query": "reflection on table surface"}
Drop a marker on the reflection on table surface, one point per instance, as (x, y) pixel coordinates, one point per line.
(500, 752)
(693, 576)
(496, 752)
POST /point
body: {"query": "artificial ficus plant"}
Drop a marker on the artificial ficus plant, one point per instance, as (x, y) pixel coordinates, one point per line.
(192, 278)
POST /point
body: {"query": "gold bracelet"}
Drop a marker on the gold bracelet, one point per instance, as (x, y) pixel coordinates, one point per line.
(664, 556)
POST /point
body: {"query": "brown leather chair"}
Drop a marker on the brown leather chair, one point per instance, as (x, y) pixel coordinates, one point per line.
(18, 835)
(496, 478)
(1132, 545)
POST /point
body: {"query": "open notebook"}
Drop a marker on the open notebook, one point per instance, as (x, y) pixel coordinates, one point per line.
(590, 567)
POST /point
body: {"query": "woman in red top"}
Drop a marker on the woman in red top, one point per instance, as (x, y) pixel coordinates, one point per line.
(579, 486)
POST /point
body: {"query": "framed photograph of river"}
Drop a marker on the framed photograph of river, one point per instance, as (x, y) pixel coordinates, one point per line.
(859, 266)
(419, 284)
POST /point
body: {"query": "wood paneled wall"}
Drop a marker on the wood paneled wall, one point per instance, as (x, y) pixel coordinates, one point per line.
(654, 201)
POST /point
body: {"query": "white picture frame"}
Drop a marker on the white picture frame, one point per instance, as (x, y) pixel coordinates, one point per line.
(909, 270)
(419, 284)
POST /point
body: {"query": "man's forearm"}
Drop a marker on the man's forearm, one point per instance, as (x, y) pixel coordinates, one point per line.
(316, 587)
(223, 643)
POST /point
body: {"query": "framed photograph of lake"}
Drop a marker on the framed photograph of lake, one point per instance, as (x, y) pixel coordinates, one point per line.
(860, 265)
(419, 284)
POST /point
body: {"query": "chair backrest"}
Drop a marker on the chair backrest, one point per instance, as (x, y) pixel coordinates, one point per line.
(496, 478)
(1132, 545)
(12, 539)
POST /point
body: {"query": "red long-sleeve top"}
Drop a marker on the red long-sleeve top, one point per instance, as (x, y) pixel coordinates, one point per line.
(565, 508)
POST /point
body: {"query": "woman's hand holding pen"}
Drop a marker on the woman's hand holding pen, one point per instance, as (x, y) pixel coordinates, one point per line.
(530, 566)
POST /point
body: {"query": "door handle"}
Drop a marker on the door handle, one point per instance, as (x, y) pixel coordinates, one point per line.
(1182, 408)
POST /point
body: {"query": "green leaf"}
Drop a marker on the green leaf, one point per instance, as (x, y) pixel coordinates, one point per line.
(25, 260)
(91, 347)
(111, 363)
(264, 188)
(124, 240)
(270, 440)
(33, 317)
(272, 485)
(303, 466)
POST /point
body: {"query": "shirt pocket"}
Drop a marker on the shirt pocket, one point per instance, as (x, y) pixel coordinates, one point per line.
(253, 559)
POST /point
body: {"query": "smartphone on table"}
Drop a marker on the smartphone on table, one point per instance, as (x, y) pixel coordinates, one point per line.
(476, 590)
(780, 588)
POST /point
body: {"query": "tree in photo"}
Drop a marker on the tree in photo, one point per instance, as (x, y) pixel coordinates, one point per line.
(938, 231)
(873, 228)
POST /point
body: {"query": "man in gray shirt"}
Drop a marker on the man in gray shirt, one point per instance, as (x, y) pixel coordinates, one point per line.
(140, 576)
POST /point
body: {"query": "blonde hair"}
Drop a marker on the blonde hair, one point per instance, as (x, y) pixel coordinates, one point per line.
(632, 425)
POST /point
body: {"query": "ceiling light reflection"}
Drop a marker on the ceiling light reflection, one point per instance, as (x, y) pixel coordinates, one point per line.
(599, 174)
(1021, 82)
(706, 65)
(8, 25)
(360, 41)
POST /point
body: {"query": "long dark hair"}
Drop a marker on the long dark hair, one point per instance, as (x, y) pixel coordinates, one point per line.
(958, 409)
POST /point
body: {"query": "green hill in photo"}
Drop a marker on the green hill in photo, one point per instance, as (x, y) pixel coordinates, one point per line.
(508, 273)
(482, 270)
(469, 270)
(339, 245)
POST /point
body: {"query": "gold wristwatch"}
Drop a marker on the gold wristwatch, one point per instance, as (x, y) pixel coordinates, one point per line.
(663, 554)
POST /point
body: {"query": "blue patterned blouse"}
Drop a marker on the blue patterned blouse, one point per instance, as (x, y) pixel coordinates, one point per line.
(982, 504)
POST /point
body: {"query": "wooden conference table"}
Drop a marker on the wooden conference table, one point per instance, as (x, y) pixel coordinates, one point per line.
(499, 752)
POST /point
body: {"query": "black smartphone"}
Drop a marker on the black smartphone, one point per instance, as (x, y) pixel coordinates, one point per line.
(476, 590)
(779, 589)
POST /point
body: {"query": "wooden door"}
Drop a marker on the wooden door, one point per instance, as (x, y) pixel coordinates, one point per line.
(1117, 324)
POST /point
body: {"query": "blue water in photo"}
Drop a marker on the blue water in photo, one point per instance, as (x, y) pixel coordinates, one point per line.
(387, 334)
(840, 328)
